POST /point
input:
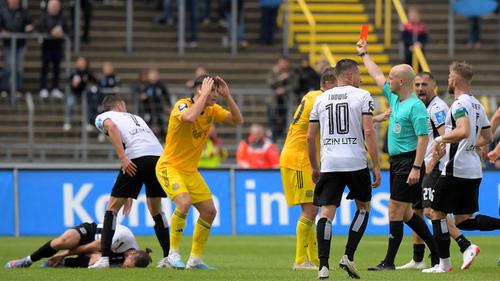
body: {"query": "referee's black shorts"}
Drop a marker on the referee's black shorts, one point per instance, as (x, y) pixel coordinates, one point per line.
(400, 169)
(129, 187)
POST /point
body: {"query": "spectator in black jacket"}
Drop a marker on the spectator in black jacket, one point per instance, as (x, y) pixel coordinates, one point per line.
(154, 99)
(53, 25)
(14, 19)
(86, 11)
(305, 79)
(82, 82)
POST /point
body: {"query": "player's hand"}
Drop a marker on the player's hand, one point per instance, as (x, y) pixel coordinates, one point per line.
(413, 177)
(127, 207)
(361, 46)
(222, 88)
(315, 175)
(387, 114)
(55, 260)
(377, 179)
(484, 152)
(206, 86)
(128, 167)
(493, 156)
(438, 151)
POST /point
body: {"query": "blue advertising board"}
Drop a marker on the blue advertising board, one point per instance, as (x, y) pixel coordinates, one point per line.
(7, 202)
(51, 201)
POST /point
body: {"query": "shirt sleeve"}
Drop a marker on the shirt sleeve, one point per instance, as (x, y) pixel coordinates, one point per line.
(484, 122)
(99, 122)
(419, 119)
(458, 110)
(367, 107)
(386, 91)
(437, 114)
(314, 115)
(220, 114)
(178, 108)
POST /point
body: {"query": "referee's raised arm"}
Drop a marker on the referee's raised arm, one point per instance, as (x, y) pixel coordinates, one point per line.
(374, 71)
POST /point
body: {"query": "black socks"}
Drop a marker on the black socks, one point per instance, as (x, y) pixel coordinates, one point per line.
(108, 230)
(356, 232)
(162, 232)
(395, 238)
(46, 251)
(324, 235)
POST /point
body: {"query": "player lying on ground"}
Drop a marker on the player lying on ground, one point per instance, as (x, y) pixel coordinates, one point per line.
(84, 241)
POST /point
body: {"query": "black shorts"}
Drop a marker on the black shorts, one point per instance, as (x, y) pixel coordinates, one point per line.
(129, 187)
(429, 185)
(401, 166)
(456, 195)
(330, 187)
(87, 232)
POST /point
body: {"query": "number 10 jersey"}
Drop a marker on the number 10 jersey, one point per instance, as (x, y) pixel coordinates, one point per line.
(339, 112)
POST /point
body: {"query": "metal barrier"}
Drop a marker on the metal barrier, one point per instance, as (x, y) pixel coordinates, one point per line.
(13, 46)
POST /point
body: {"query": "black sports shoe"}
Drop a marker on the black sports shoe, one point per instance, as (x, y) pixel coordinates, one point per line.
(382, 266)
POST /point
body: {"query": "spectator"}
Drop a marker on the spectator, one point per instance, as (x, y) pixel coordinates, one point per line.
(207, 10)
(240, 32)
(154, 99)
(474, 33)
(199, 71)
(53, 25)
(214, 152)
(81, 80)
(305, 79)
(166, 15)
(322, 64)
(86, 9)
(278, 80)
(259, 152)
(110, 82)
(474, 10)
(269, 13)
(14, 19)
(413, 33)
(191, 7)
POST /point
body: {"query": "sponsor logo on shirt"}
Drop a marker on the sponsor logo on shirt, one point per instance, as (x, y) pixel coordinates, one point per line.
(440, 116)
(182, 106)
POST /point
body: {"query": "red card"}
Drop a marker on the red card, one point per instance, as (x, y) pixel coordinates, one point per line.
(364, 32)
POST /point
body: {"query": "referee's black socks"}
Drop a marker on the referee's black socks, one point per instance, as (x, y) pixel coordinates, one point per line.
(324, 235)
(356, 232)
(395, 238)
(442, 237)
(417, 224)
(46, 251)
(162, 232)
(108, 230)
(480, 222)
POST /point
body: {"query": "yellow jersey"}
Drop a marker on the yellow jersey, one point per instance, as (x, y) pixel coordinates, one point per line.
(185, 141)
(294, 154)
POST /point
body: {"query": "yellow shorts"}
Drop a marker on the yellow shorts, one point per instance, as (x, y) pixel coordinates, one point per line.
(298, 186)
(175, 182)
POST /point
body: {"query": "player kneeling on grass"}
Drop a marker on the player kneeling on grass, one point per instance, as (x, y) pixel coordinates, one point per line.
(84, 242)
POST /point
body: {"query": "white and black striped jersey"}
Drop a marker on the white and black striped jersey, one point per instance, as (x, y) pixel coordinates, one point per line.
(437, 110)
(339, 112)
(462, 161)
(138, 139)
(123, 239)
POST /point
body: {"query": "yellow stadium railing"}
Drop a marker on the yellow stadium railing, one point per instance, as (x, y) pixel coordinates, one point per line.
(327, 53)
(310, 21)
(418, 56)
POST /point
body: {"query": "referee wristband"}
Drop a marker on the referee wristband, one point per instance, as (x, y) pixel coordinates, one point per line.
(363, 54)
(416, 167)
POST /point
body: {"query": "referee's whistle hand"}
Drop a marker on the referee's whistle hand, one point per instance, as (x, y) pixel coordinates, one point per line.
(414, 177)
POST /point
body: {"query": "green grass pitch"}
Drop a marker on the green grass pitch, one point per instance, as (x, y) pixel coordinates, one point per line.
(256, 258)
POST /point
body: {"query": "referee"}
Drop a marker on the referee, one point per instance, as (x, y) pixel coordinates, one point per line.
(407, 139)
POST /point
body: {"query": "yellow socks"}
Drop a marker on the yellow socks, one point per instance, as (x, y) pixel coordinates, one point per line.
(312, 247)
(176, 228)
(200, 236)
(304, 227)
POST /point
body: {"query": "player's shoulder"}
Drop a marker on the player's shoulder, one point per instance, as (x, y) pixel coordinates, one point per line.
(437, 104)
(183, 104)
(312, 95)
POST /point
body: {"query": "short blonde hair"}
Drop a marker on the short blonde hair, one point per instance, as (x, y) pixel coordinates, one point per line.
(462, 69)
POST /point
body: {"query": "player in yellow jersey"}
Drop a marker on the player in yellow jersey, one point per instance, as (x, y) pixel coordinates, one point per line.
(296, 174)
(176, 170)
